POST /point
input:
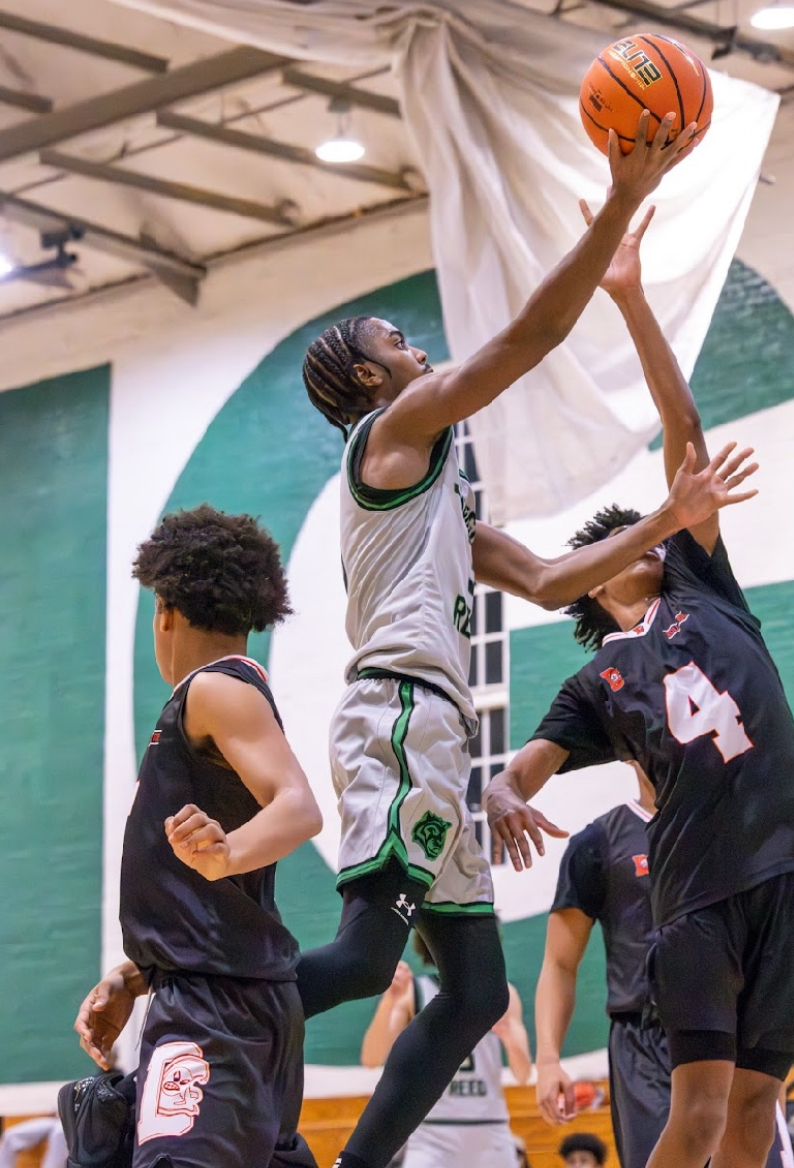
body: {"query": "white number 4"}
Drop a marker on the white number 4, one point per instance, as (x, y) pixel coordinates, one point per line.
(695, 708)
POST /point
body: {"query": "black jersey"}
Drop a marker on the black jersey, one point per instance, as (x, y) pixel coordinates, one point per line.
(172, 918)
(693, 695)
(604, 873)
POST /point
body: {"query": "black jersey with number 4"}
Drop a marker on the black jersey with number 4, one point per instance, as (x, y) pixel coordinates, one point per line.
(693, 695)
(172, 918)
(604, 874)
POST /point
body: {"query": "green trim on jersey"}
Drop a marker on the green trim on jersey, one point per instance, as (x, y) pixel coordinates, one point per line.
(377, 498)
(394, 845)
(449, 908)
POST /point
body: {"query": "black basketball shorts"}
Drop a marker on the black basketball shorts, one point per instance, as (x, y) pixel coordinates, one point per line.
(220, 1080)
(723, 980)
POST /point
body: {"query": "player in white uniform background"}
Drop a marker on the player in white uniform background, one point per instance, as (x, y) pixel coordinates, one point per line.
(412, 549)
(470, 1123)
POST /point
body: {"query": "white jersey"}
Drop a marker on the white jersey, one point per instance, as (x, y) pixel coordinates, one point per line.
(476, 1094)
(408, 569)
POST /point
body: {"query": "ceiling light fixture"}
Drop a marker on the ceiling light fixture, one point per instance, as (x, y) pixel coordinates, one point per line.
(7, 266)
(775, 16)
(343, 147)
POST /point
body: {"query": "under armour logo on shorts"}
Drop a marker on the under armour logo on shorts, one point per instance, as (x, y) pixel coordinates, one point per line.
(172, 1093)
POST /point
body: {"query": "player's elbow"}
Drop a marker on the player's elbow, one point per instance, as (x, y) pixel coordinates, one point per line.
(548, 590)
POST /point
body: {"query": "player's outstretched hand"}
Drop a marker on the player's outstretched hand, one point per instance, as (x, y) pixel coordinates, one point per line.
(513, 823)
(625, 271)
(639, 172)
(555, 1094)
(695, 497)
(199, 842)
(103, 1015)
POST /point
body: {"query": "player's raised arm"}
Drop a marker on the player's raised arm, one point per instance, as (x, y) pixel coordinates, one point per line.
(434, 402)
(567, 935)
(669, 388)
(504, 563)
(238, 720)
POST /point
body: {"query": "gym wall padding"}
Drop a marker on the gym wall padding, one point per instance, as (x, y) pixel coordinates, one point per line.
(53, 494)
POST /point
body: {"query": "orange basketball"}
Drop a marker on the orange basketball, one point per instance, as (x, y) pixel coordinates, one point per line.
(650, 72)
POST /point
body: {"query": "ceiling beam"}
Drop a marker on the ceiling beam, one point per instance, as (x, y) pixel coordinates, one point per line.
(718, 34)
(342, 91)
(31, 102)
(180, 275)
(183, 192)
(199, 77)
(69, 39)
(224, 136)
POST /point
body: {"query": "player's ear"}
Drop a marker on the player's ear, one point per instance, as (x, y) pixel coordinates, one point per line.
(368, 376)
(594, 593)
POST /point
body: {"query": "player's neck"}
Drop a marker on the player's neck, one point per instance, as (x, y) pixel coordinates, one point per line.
(198, 648)
(629, 613)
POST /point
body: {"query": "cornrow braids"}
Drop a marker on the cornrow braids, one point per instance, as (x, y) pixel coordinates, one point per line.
(593, 622)
(329, 374)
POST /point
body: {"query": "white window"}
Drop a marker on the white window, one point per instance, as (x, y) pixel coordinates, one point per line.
(489, 675)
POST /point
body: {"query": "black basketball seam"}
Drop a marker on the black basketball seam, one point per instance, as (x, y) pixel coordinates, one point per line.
(587, 114)
(626, 89)
(671, 71)
(701, 67)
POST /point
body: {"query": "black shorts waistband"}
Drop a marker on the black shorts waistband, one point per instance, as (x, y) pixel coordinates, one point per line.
(627, 1017)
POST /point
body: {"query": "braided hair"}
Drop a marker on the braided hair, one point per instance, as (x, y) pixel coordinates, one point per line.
(329, 372)
(593, 622)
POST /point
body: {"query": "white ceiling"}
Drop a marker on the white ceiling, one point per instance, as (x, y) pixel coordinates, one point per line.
(262, 105)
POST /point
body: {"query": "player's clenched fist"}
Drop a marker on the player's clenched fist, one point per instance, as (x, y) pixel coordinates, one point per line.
(199, 842)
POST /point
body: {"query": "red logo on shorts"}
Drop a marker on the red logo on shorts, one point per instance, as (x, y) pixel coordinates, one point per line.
(640, 865)
(172, 1093)
(155, 738)
(614, 678)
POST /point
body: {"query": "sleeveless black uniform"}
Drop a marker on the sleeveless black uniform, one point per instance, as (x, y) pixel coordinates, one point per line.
(604, 874)
(220, 1080)
(693, 695)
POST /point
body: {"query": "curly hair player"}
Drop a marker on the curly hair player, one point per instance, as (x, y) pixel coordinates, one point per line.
(412, 550)
(220, 798)
(683, 683)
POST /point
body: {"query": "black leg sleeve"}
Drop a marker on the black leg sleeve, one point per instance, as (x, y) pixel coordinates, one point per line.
(473, 996)
(378, 912)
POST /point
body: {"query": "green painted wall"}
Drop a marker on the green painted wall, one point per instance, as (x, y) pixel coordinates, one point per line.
(53, 486)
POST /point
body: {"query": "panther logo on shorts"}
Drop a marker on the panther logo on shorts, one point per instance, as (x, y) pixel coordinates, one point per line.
(172, 1093)
(430, 832)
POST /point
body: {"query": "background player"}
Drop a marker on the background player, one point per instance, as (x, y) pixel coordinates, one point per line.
(583, 1150)
(220, 798)
(470, 1124)
(604, 877)
(411, 550)
(684, 684)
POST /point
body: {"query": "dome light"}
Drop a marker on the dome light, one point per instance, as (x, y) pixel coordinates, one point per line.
(776, 16)
(340, 149)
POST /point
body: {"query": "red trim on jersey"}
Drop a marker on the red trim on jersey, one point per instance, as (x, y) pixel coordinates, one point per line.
(229, 657)
(639, 630)
(638, 809)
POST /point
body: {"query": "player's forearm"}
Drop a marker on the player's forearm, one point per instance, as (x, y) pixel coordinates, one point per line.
(134, 981)
(526, 773)
(291, 819)
(555, 999)
(669, 388)
(543, 323)
(571, 576)
(519, 1058)
(379, 1037)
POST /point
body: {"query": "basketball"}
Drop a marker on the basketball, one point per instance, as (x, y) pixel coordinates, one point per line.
(647, 71)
